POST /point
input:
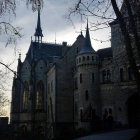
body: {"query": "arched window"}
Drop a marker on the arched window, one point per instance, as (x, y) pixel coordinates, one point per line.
(25, 96)
(87, 57)
(40, 96)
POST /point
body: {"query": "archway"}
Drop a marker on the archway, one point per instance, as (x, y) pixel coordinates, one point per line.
(133, 104)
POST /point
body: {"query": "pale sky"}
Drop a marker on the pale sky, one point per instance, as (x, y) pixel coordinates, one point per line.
(53, 22)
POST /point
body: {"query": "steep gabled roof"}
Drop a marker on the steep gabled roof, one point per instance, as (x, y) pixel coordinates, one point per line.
(45, 51)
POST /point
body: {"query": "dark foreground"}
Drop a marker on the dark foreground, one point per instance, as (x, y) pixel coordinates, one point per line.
(127, 134)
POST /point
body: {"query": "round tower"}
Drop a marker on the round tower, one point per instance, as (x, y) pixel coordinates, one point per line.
(86, 94)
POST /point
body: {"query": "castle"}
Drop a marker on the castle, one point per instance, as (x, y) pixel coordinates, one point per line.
(60, 88)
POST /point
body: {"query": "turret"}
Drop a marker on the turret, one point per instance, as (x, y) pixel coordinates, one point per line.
(86, 93)
(87, 54)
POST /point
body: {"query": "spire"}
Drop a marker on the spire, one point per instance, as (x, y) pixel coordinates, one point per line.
(87, 48)
(38, 33)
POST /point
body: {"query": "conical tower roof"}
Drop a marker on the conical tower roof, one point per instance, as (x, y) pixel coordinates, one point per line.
(87, 48)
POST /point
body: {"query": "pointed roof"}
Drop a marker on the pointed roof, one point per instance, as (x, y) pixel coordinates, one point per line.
(87, 45)
(38, 31)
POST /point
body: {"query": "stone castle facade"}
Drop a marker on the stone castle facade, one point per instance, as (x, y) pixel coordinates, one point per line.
(60, 88)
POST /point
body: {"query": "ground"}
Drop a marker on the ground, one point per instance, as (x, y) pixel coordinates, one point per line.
(127, 134)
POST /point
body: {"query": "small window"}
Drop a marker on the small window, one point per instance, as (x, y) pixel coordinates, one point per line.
(86, 95)
(77, 50)
(81, 115)
(103, 76)
(48, 111)
(121, 75)
(83, 58)
(93, 58)
(77, 61)
(81, 79)
(110, 111)
(93, 77)
(80, 60)
(87, 57)
(108, 75)
(130, 73)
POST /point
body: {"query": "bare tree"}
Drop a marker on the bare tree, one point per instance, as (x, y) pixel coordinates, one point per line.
(104, 12)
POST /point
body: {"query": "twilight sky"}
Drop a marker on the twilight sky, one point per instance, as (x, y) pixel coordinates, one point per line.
(52, 21)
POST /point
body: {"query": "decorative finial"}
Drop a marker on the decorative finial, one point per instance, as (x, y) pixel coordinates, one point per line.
(31, 39)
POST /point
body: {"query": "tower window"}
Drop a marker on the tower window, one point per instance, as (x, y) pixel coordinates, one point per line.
(108, 75)
(86, 95)
(83, 58)
(80, 60)
(130, 73)
(81, 115)
(93, 77)
(77, 50)
(93, 58)
(81, 79)
(103, 76)
(121, 75)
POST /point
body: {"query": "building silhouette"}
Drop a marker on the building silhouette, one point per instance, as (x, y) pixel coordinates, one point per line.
(62, 88)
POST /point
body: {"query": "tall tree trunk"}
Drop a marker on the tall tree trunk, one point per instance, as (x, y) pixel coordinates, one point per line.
(133, 26)
(128, 44)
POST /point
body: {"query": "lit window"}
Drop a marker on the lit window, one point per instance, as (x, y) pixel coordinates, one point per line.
(39, 96)
(25, 96)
